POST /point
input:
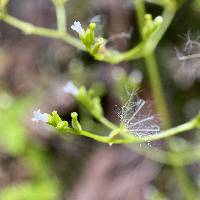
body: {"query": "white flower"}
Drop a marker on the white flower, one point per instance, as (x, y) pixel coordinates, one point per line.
(77, 27)
(38, 116)
(71, 88)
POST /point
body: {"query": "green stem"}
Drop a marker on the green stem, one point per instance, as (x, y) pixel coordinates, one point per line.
(154, 154)
(173, 131)
(185, 184)
(28, 28)
(158, 94)
(99, 138)
(61, 16)
(142, 49)
(168, 16)
(154, 77)
(147, 47)
(163, 134)
(151, 64)
(177, 159)
(140, 10)
(129, 138)
(106, 123)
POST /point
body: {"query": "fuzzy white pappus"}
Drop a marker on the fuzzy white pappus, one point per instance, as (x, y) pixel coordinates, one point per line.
(137, 117)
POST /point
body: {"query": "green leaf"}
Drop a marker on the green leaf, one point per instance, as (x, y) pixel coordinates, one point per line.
(13, 136)
(46, 190)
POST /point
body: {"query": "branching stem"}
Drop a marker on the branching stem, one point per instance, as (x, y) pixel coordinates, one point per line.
(129, 138)
(28, 28)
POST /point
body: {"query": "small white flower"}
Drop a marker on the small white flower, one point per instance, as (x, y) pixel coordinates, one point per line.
(38, 116)
(77, 27)
(71, 88)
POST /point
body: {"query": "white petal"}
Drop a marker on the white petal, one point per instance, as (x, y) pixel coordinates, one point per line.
(38, 116)
(71, 88)
(77, 27)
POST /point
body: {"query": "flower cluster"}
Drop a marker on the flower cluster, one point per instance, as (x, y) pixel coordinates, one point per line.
(92, 44)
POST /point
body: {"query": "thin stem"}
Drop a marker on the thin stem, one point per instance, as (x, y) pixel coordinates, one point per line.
(129, 138)
(107, 123)
(177, 159)
(163, 134)
(147, 47)
(168, 16)
(144, 48)
(61, 16)
(155, 154)
(158, 94)
(152, 65)
(157, 90)
(110, 56)
(185, 184)
(140, 10)
(28, 28)
(99, 138)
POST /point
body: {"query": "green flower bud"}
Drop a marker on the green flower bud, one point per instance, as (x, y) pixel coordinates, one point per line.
(63, 126)
(75, 124)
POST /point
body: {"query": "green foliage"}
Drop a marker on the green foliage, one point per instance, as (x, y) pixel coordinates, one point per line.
(15, 141)
(13, 136)
(3, 7)
(32, 191)
(152, 32)
(196, 5)
(59, 2)
(197, 121)
(3, 4)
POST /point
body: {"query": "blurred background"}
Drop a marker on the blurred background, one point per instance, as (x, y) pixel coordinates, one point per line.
(37, 164)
